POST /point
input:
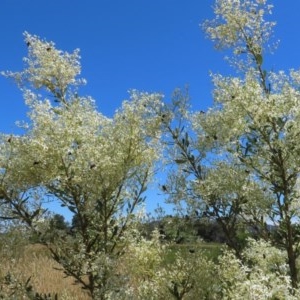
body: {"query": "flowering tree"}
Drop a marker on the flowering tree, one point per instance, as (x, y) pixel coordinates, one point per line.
(187, 276)
(97, 167)
(241, 165)
(262, 273)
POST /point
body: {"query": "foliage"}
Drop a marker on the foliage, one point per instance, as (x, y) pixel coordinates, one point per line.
(236, 165)
(58, 222)
(189, 275)
(263, 273)
(259, 120)
(97, 167)
(240, 164)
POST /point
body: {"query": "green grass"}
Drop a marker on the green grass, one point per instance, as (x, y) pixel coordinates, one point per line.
(211, 250)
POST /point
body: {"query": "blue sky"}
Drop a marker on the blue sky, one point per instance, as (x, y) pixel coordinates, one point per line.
(149, 45)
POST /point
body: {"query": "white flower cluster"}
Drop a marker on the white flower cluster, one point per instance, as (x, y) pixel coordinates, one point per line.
(241, 25)
(48, 68)
(98, 167)
(262, 275)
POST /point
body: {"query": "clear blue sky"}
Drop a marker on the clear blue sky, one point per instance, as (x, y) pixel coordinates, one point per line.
(149, 45)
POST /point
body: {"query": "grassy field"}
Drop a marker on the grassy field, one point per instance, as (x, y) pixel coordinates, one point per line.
(211, 250)
(46, 276)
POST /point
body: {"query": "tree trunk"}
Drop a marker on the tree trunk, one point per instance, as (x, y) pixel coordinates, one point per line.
(291, 256)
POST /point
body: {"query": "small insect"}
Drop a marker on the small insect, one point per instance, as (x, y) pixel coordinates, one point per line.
(164, 118)
(164, 188)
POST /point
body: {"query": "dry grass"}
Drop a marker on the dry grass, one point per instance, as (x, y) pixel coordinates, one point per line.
(35, 262)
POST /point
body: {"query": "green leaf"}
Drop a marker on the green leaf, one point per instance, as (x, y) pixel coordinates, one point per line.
(187, 143)
(72, 208)
(180, 161)
(265, 74)
(280, 123)
(259, 59)
(57, 111)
